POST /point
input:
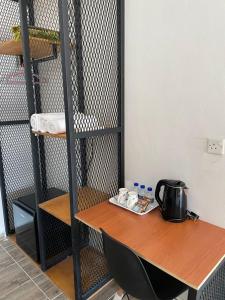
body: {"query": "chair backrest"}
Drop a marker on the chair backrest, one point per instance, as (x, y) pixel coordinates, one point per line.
(127, 269)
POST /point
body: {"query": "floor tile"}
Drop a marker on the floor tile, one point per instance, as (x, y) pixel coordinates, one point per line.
(5, 260)
(16, 253)
(27, 291)
(107, 292)
(183, 296)
(11, 278)
(47, 286)
(61, 297)
(29, 267)
(5, 243)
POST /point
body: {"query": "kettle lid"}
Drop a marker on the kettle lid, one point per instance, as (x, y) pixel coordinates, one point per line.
(176, 184)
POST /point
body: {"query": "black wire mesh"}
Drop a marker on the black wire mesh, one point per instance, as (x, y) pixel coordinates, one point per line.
(102, 183)
(13, 105)
(215, 287)
(94, 63)
(14, 137)
(48, 97)
(94, 66)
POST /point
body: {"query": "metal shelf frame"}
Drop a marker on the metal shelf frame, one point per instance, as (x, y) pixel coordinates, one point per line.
(78, 144)
(95, 158)
(69, 107)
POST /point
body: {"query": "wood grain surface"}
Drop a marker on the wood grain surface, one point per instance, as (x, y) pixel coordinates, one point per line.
(50, 135)
(39, 48)
(59, 207)
(188, 251)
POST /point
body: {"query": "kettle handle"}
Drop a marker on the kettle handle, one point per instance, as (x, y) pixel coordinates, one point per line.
(157, 191)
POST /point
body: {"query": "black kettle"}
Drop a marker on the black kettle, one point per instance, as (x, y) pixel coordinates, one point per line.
(174, 202)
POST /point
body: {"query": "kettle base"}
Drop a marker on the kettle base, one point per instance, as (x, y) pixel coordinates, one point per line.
(173, 220)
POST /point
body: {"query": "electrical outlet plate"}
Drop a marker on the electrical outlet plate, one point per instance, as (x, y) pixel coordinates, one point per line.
(215, 147)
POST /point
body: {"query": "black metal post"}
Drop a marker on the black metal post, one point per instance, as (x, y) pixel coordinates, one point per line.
(120, 51)
(192, 294)
(31, 110)
(9, 123)
(68, 102)
(41, 142)
(80, 85)
(3, 194)
(37, 104)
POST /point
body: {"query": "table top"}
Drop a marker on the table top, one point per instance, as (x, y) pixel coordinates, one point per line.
(189, 251)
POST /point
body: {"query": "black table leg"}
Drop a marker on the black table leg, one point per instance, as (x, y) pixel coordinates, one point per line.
(192, 294)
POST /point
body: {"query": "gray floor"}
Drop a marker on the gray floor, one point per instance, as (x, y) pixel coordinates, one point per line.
(21, 279)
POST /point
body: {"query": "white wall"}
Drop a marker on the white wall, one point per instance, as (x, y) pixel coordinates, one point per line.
(175, 97)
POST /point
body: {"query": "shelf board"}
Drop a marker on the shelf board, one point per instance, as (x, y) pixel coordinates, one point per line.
(62, 274)
(50, 135)
(59, 207)
(79, 135)
(39, 48)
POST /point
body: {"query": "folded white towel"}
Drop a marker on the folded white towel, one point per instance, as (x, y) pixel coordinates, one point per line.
(55, 123)
(56, 126)
(39, 121)
(35, 121)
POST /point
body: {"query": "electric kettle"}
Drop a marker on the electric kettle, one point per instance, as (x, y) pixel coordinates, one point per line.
(174, 201)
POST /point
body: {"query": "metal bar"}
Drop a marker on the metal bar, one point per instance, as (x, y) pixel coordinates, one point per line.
(37, 93)
(41, 138)
(9, 123)
(68, 102)
(192, 294)
(31, 110)
(101, 132)
(100, 284)
(79, 55)
(30, 5)
(120, 55)
(80, 85)
(3, 194)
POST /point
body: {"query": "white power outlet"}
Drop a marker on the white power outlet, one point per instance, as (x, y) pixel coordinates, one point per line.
(216, 147)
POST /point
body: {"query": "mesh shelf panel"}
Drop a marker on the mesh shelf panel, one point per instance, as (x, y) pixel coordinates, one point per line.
(14, 139)
(93, 264)
(95, 86)
(102, 177)
(56, 164)
(13, 105)
(94, 67)
(17, 163)
(215, 288)
(52, 152)
(101, 169)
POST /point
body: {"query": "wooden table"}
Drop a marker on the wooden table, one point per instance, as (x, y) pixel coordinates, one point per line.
(192, 252)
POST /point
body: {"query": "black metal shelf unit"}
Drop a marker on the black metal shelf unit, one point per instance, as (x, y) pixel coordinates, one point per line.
(86, 82)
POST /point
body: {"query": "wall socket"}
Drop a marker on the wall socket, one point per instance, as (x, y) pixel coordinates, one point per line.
(215, 146)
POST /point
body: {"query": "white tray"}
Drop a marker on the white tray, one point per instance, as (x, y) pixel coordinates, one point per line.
(150, 207)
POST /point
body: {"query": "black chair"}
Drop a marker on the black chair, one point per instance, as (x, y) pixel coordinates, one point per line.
(135, 276)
